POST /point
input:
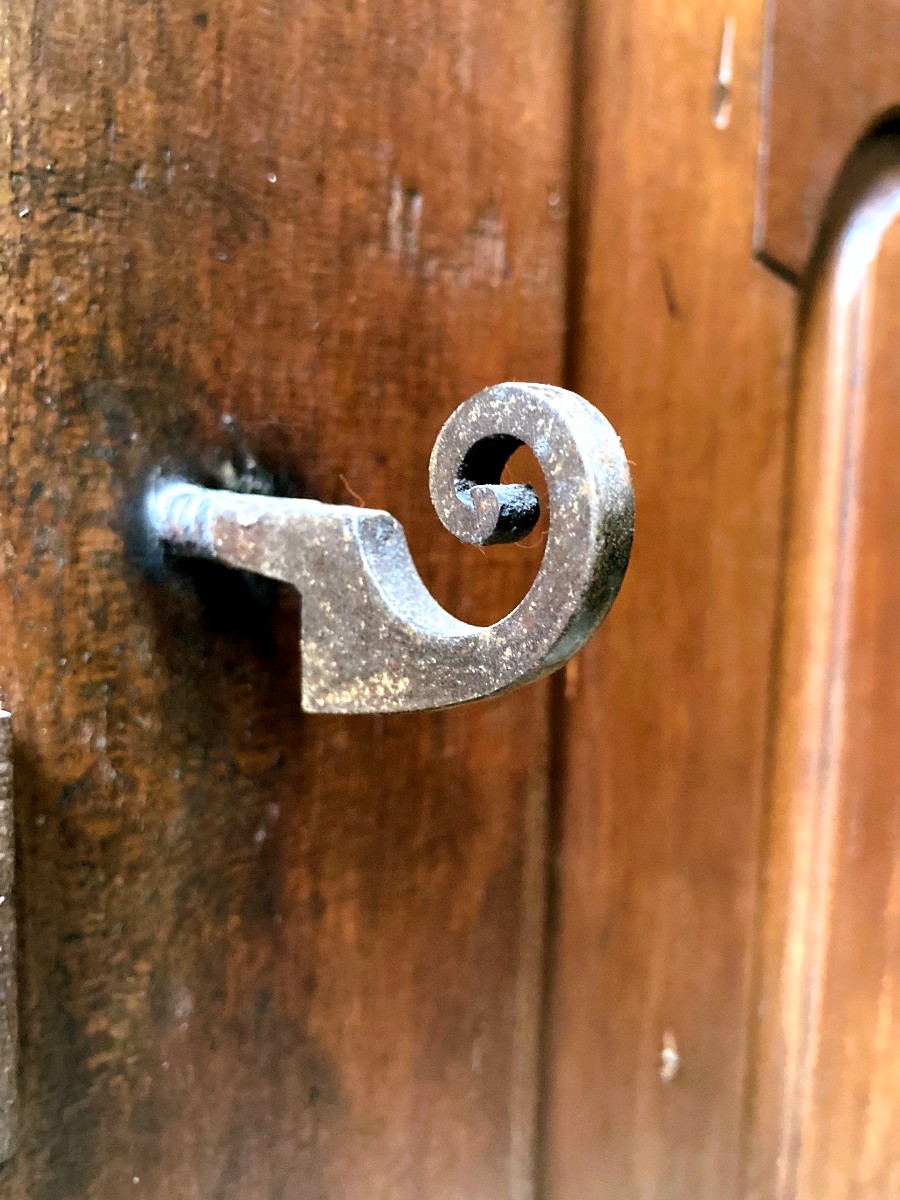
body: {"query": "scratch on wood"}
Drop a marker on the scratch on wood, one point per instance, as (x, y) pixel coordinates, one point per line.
(676, 312)
(404, 219)
(488, 249)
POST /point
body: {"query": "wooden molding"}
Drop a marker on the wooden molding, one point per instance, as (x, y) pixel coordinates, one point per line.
(832, 75)
(826, 1089)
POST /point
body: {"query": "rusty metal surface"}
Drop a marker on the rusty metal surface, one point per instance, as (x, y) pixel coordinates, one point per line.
(9, 1024)
(373, 638)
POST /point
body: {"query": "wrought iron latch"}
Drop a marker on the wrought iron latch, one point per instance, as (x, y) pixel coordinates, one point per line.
(373, 639)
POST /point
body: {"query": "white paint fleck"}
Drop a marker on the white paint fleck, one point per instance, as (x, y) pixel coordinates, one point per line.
(722, 85)
(404, 220)
(669, 1058)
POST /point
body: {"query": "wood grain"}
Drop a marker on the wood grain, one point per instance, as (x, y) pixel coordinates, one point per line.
(832, 75)
(265, 957)
(686, 344)
(826, 1113)
(9, 1000)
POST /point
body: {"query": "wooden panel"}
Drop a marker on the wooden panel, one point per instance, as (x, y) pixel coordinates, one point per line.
(686, 343)
(827, 1104)
(833, 73)
(261, 956)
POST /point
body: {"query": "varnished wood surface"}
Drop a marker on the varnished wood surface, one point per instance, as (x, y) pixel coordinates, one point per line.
(686, 342)
(832, 75)
(826, 1096)
(264, 957)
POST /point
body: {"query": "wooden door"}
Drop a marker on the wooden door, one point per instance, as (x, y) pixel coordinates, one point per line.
(725, 1021)
(260, 955)
(627, 934)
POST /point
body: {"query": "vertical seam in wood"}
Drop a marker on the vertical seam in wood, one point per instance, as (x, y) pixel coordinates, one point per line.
(776, 649)
(579, 191)
(528, 1024)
